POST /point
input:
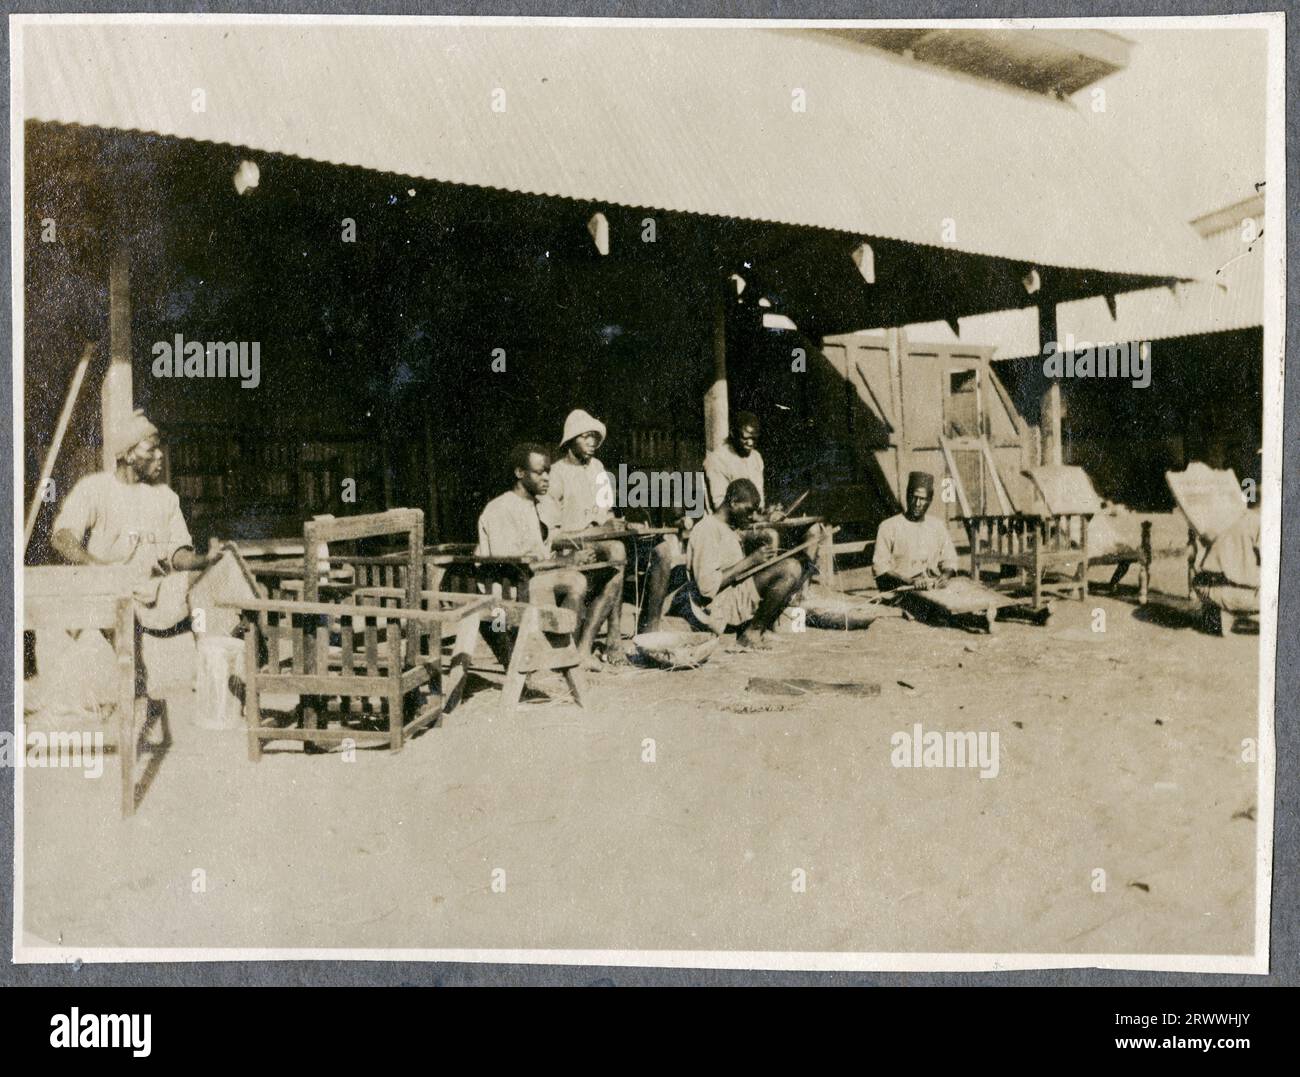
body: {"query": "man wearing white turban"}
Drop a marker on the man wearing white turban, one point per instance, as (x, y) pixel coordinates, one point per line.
(127, 516)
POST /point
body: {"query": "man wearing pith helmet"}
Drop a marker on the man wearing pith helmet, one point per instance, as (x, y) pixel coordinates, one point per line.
(580, 498)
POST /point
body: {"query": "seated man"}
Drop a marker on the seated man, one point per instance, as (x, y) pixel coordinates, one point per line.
(510, 526)
(128, 516)
(913, 550)
(1228, 581)
(581, 497)
(736, 458)
(715, 600)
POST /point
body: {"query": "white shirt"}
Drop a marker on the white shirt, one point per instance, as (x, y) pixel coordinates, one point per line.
(580, 496)
(724, 465)
(125, 523)
(909, 548)
(510, 527)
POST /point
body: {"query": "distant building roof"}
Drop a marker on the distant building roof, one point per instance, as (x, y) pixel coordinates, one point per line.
(697, 120)
(1049, 61)
(1230, 297)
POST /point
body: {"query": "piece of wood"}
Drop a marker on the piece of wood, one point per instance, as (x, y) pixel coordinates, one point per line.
(1065, 489)
(1050, 411)
(68, 613)
(76, 581)
(396, 698)
(963, 595)
(462, 656)
(128, 739)
(367, 525)
(465, 605)
(56, 443)
(1004, 502)
(781, 556)
(796, 503)
(963, 502)
(252, 704)
(716, 415)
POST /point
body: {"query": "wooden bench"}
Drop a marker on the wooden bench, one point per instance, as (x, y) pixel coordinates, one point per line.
(543, 641)
(80, 598)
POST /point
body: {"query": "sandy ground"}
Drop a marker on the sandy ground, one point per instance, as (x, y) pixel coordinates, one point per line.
(1119, 750)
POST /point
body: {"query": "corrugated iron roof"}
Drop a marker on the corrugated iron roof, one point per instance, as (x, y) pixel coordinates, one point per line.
(1230, 297)
(692, 119)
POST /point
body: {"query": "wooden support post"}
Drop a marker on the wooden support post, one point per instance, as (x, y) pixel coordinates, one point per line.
(897, 340)
(116, 396)
(430, 478)
(1050, 420)
(716, 413)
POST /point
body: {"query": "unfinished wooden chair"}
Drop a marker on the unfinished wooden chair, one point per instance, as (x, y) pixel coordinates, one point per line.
(1034, 545)
(1053, 539)
(375, 672)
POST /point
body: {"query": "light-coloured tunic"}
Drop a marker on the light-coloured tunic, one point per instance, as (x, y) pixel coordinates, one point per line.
(909, 549)
(712, 549)
(724, 465)
(125, 523)
(579, 496)
(1235, 553)
(509, 526)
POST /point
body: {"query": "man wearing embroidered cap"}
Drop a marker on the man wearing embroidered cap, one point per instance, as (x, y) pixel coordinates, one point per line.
(127, 516)
(911, 548)
(581, 497)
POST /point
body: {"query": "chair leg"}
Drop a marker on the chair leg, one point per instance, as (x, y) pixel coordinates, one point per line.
(252, 708)
(535, 650)
(512, 690)
(396, 701)
(520, 654)
(577, 685)
(462, 655)
(124, 647)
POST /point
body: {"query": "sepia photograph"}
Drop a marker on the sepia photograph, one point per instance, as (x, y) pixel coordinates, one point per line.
(647, 492)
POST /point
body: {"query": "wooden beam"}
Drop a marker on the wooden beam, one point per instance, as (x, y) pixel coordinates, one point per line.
(47, 468)
(963, 502)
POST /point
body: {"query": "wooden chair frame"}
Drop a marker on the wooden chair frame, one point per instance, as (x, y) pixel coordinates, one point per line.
(1033, 544)
(398, 653)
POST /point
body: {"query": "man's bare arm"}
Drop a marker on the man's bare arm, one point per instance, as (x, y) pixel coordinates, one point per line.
(743, 565)
(71, 550)
(186, 560)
